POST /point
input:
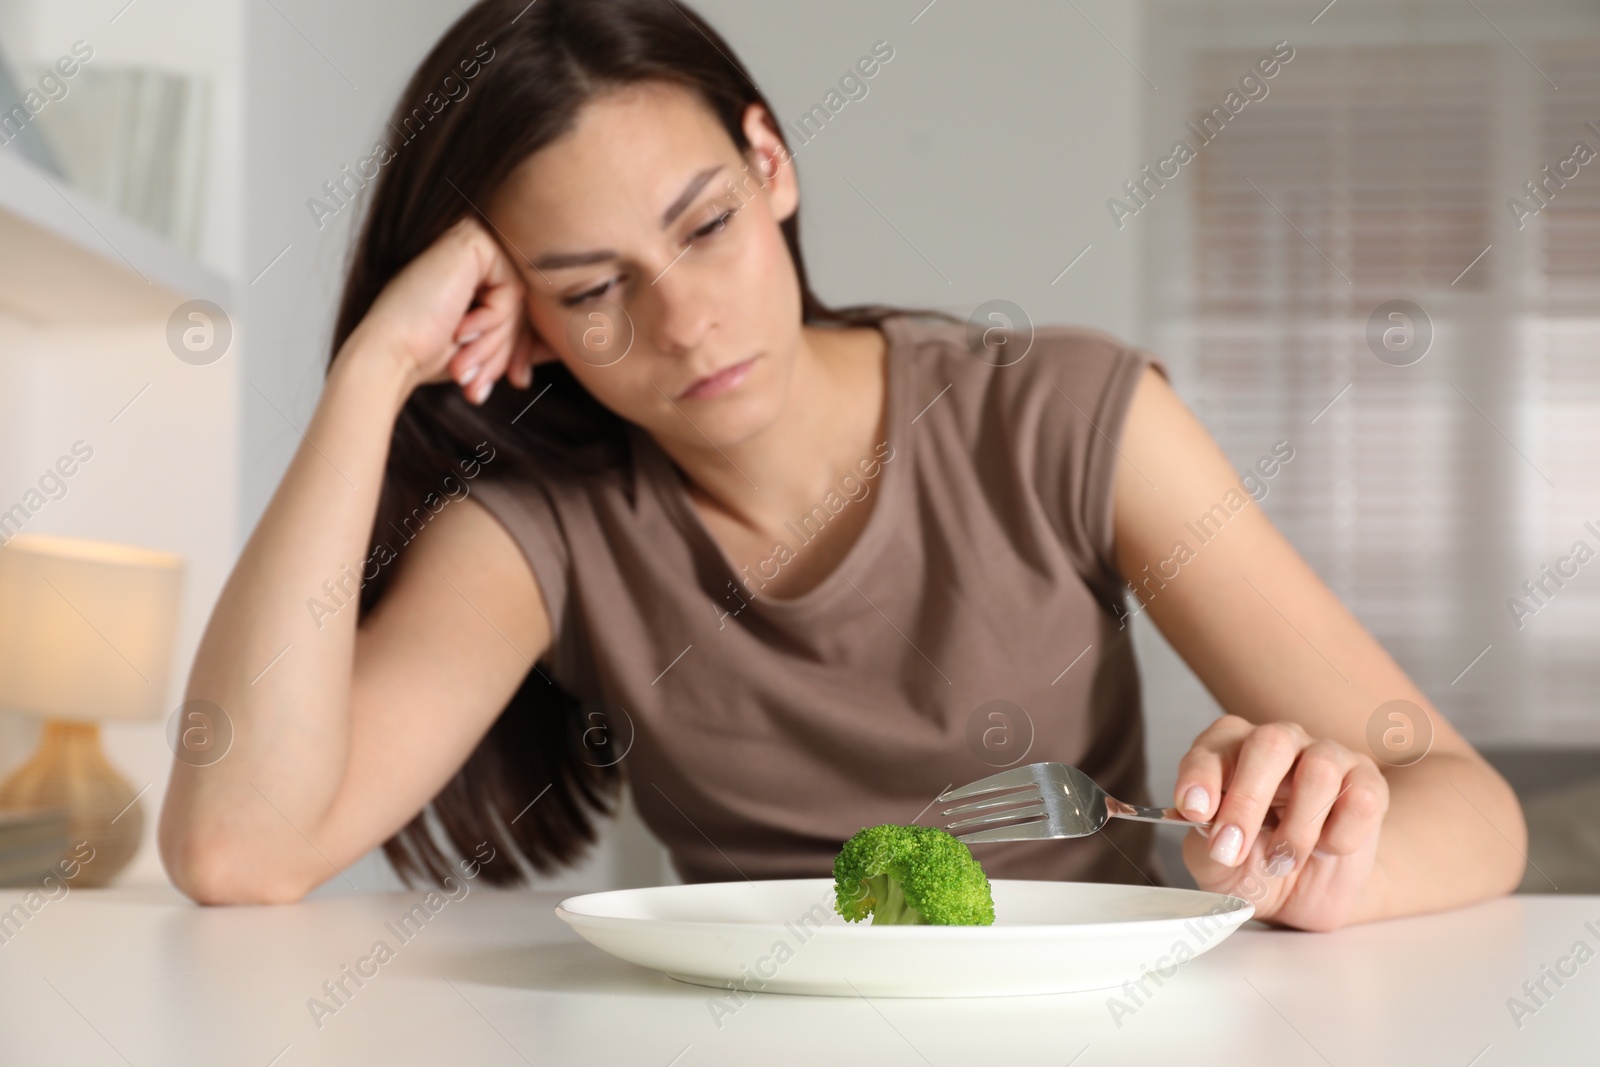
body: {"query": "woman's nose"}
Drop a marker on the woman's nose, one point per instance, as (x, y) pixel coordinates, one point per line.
(685, 307)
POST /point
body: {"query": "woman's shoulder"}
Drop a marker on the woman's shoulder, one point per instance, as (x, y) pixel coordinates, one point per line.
(1038, 409)
(996, 335)
(998, 364)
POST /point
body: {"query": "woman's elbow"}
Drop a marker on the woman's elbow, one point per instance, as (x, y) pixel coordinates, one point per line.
(209, 872)
(1497, 803)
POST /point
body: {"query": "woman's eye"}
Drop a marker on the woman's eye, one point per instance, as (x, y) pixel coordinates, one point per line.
(716, 225)
(583, 298)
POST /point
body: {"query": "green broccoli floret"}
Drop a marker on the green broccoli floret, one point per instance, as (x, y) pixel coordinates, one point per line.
(910, 874)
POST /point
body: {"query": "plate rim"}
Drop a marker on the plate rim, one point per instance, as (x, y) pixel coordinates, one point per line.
(1240, 907)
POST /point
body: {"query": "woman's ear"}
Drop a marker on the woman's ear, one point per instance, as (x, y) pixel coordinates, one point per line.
(771, 161)
(542, 353)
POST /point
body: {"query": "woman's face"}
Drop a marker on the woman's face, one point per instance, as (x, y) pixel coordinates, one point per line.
(645, 221)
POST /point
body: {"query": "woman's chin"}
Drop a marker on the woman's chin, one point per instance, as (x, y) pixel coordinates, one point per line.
(726, 421)
(730, 417)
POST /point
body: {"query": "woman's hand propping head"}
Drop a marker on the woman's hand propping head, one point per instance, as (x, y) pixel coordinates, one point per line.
(456, 313)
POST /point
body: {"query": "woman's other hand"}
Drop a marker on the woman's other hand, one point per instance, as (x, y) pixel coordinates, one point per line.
(1302, 683)
(456, 312)
(1295, 819)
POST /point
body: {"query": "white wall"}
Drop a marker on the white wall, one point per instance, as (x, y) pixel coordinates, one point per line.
(989, 141)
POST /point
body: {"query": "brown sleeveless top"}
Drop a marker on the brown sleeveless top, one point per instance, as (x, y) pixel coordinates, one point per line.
(973, 625)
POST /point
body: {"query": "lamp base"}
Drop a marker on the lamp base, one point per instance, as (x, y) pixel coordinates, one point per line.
(70, 771)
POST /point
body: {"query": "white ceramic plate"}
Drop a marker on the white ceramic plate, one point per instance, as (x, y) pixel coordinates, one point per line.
(784, 937)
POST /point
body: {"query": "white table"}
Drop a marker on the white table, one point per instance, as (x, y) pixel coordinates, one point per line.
(142, 977)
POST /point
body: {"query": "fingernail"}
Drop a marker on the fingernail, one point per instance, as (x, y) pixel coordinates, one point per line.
(1225, 848)
(488, 387)
(468, 374)
(1197, 800)
(469, 338)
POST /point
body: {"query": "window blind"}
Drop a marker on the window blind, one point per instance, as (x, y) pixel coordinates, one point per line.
(1377, 169)
(1561, 401)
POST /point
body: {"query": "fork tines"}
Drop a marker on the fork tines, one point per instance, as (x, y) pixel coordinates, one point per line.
(1027, 811)
(1022, 799)
(1012, 779)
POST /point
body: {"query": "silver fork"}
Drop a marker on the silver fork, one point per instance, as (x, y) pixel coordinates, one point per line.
(1055, 799)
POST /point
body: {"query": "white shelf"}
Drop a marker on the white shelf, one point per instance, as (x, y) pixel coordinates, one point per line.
(66, 259)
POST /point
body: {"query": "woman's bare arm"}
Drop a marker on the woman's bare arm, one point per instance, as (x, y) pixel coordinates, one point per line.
(341, 734)
(1360, 839)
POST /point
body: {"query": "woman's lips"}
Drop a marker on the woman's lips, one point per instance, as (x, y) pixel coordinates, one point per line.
(719, 382)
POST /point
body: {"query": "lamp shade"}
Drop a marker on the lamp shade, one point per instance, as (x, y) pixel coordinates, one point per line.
(86, 627)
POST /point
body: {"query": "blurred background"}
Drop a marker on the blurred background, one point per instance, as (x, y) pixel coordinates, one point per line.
(1432, 159)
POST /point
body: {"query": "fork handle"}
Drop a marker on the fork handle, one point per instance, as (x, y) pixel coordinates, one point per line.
(1142, 814)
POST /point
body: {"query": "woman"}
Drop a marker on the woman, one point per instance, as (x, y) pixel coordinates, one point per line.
(778, 564)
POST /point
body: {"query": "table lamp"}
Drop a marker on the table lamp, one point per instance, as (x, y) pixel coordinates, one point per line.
(86, 633)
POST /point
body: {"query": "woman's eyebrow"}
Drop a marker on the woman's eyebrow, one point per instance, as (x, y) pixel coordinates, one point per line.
(686, 197)
(560, 260)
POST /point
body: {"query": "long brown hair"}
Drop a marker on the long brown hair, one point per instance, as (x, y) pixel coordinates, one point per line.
(504, 81)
